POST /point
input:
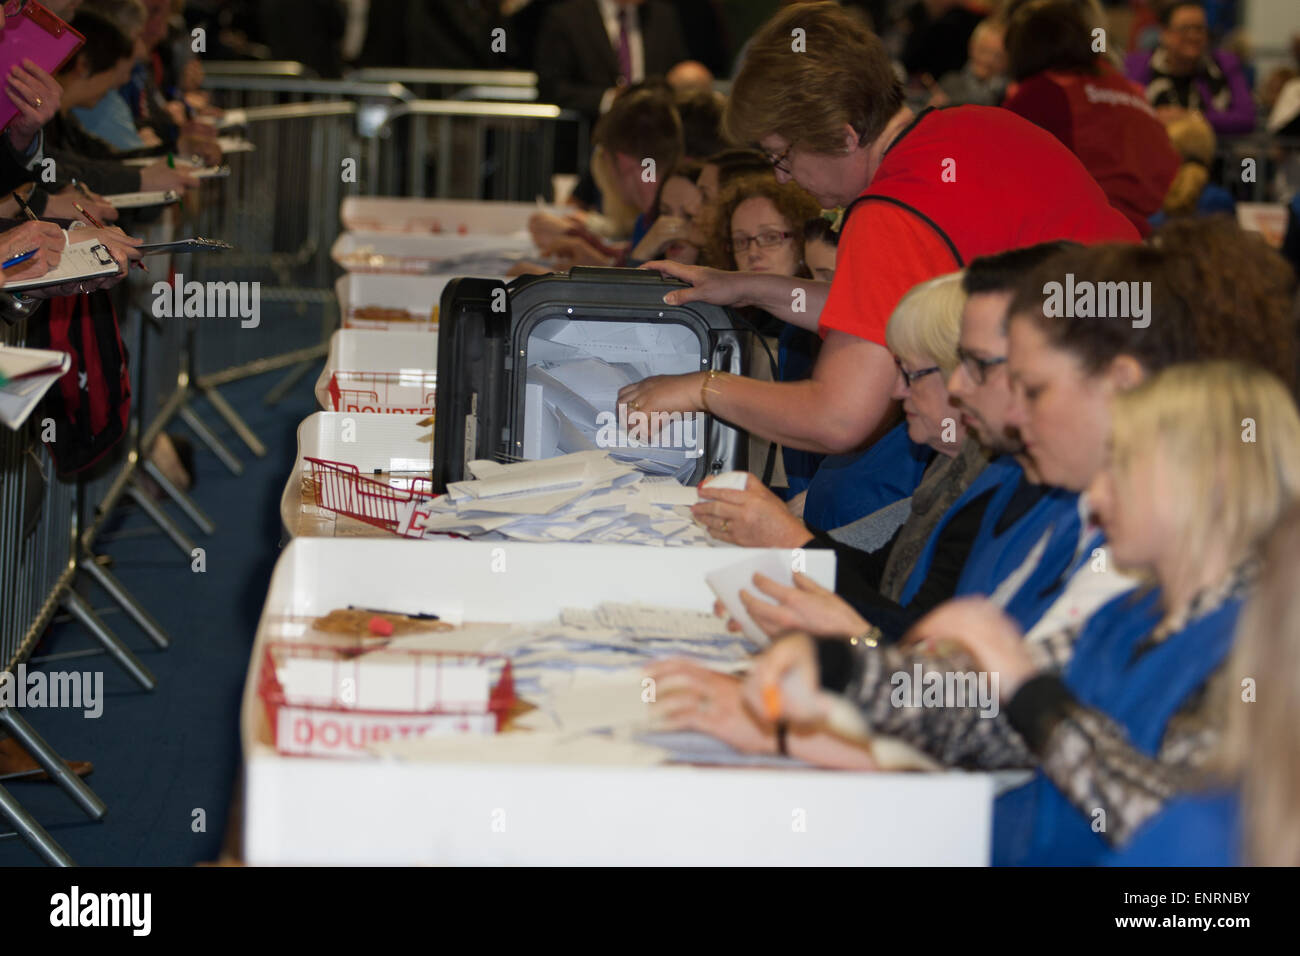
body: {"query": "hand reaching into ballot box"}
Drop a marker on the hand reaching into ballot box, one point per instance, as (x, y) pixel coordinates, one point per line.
(664, 393)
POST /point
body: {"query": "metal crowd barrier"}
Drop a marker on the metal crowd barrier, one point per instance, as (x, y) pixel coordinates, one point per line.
(1272, 155)
(456, 149)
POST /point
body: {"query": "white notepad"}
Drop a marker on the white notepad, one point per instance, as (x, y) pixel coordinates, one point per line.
(81, 262)
(40, 369)
(140, 200)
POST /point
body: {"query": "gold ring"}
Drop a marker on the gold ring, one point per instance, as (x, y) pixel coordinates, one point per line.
(634, 405)
(725, 525)
(38, 102)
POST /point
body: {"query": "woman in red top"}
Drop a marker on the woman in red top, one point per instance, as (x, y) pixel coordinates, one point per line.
(1067, 88)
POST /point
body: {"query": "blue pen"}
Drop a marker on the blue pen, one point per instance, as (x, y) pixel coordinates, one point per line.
(18, 259)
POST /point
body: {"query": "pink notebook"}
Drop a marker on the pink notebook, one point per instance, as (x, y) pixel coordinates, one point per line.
(33, 34)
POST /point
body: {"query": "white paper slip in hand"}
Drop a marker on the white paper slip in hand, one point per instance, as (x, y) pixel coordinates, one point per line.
(728, 480)
(728, 582)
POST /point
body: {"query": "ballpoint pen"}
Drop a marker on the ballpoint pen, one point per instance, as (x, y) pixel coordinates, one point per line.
(27, 210)
(18, 259)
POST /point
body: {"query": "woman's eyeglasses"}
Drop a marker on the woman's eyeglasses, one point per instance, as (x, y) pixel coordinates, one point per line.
(764, 240)
(977, 368)
(911, 377)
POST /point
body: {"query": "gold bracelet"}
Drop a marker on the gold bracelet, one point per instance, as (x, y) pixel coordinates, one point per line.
(704, 387)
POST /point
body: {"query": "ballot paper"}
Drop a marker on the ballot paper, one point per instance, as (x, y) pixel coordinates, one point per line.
(584, 496)
(728, 582)
(141, 200)
(571, 396)
(30, 373)
(81, 261)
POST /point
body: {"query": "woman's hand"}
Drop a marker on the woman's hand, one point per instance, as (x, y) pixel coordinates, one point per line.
(569, 251)
(691, 697)
(160, 177)
(807, 607)
(62, 205)
(37, 96)
(664, 393)
(665, 231)
(45, 237)
(707, 285)
(546, 228)
(753, 518)
(785, 683)
(980, 628)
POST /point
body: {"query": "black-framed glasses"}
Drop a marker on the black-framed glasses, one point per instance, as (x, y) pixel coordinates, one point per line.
(764, 240)
(778, 162)
(911, 377)
(977, 368)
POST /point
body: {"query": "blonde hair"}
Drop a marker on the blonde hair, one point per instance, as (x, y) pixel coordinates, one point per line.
(1260, 750)
(621, 214)
(1194, 140)
(926, 323)
(1229, 436)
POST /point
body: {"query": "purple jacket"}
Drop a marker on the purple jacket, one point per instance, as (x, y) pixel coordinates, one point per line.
(1238, 118)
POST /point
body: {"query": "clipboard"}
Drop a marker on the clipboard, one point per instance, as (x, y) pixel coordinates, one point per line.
(36, 34)
(81, 262)
(197, 244)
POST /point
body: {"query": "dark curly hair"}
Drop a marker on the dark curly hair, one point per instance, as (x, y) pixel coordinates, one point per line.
(1242, 289)
(792, 202)
(1217, 292)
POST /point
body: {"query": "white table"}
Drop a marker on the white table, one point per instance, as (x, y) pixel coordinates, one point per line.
(307, 810)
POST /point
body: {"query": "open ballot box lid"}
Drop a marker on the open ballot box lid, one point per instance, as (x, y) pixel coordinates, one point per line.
(531, 369)
(352, 470)
(440, 216)
(438, 810)
(377, 371)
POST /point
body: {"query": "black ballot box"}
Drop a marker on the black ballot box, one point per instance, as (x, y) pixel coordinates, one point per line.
(531, 369)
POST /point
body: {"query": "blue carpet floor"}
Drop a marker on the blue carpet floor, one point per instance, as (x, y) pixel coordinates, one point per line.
(161, 756)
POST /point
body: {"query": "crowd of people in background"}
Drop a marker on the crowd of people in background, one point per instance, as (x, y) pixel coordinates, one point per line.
(1009, 486)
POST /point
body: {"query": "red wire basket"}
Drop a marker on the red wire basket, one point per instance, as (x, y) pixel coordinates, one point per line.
(402, 393)
(335, 726)
(341, 488)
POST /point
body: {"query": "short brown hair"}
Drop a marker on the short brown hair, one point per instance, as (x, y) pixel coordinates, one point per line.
(792, 202)
(643, 123)
(1049, 35)
(806, 87)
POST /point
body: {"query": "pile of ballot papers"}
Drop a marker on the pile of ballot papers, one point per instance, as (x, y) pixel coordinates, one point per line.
(576, 370)
(585, 496)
